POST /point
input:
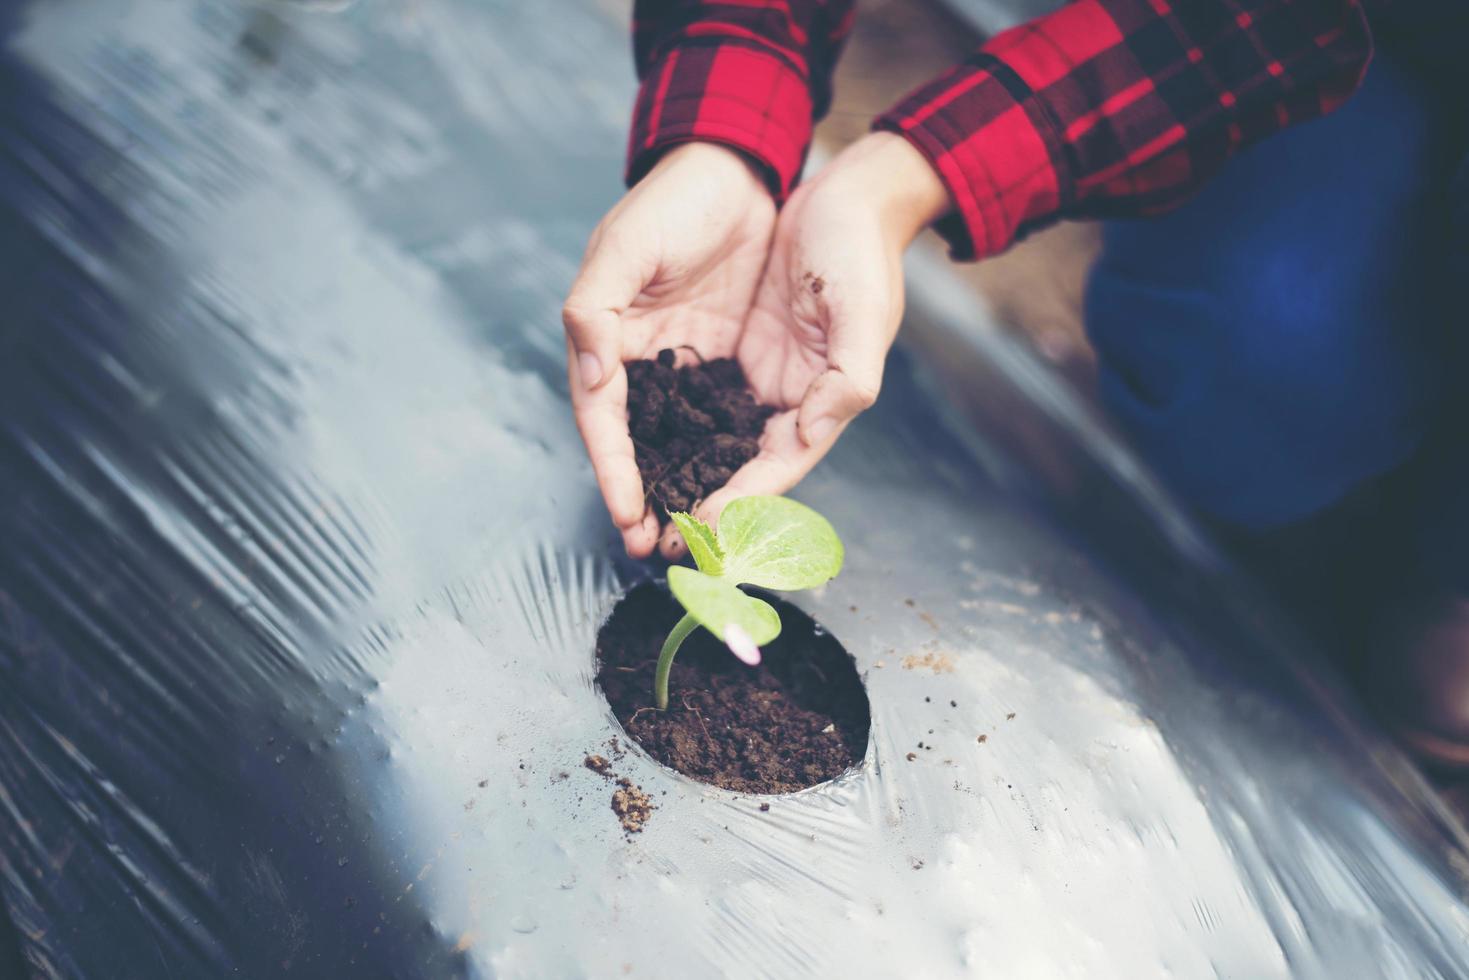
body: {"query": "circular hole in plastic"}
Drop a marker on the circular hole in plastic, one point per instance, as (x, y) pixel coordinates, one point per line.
(798, 719)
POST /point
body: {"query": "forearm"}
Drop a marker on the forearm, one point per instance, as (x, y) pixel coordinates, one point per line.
(1110, 107)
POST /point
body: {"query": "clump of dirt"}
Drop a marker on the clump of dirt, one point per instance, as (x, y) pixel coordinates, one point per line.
(799, 719)
(692, 427)
(632, 806)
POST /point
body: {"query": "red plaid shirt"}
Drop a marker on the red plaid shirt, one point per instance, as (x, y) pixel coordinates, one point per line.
(1103, 108)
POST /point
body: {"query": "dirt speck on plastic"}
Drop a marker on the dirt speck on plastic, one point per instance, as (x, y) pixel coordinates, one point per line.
(939, 663)
(632, 806)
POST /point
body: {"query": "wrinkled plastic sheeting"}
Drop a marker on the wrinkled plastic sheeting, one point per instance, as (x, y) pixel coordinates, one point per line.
(301, 567)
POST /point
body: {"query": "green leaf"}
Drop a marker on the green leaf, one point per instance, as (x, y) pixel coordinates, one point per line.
(777, 543)
(715, 603)
(703, 545)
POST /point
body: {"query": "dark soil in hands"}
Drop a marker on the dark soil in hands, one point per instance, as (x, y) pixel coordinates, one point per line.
(799, 719)
(692, 427)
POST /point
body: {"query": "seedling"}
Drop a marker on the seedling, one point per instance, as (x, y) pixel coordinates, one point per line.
(770, 542)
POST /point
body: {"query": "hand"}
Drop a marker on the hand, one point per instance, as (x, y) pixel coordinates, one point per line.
(675, 262)
(828, 307)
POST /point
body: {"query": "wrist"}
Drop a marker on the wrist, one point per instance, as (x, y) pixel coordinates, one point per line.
(892, 176)
(739, 168)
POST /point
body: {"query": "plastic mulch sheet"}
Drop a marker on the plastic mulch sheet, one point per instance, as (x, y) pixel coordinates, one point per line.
(301, 565)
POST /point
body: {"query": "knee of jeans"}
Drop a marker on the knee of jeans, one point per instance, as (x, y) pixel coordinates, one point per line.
(1260, 404)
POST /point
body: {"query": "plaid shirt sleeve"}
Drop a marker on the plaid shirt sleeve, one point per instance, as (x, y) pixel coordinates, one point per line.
(1122, 107)
(751, 74)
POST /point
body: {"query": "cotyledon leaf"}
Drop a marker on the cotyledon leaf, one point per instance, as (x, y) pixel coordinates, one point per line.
(715, 603)
(703, 544)
(777, 543)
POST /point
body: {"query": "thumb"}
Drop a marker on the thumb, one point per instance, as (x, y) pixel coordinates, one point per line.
(607, 284)
(850, 383)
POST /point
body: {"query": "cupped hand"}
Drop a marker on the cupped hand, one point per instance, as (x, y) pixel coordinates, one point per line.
(828, 307)
(810, 304)
(675, 263)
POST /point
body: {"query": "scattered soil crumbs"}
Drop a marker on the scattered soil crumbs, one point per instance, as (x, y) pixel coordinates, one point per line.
(799, 719)
(692, 427)
(939, 663)
(632, 806)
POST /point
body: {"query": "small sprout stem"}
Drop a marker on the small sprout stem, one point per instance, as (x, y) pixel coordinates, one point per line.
(676, 636)
(766, 542)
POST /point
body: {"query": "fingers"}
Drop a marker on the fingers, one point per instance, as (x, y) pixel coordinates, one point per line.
(834, 399)
(783, 461)
(607, 284)
(672, 545)
(601, 418)
(859, 337)
(642, 538)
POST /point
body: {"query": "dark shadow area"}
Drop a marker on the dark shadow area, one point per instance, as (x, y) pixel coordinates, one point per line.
(11, 964)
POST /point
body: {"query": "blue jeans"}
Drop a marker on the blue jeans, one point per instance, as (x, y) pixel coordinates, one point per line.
(1295, 330)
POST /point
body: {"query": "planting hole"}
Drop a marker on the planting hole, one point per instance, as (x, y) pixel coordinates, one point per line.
(798, 719)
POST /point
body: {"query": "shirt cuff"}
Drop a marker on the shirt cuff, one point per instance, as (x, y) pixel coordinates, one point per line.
(992, 145)
(747, 99)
